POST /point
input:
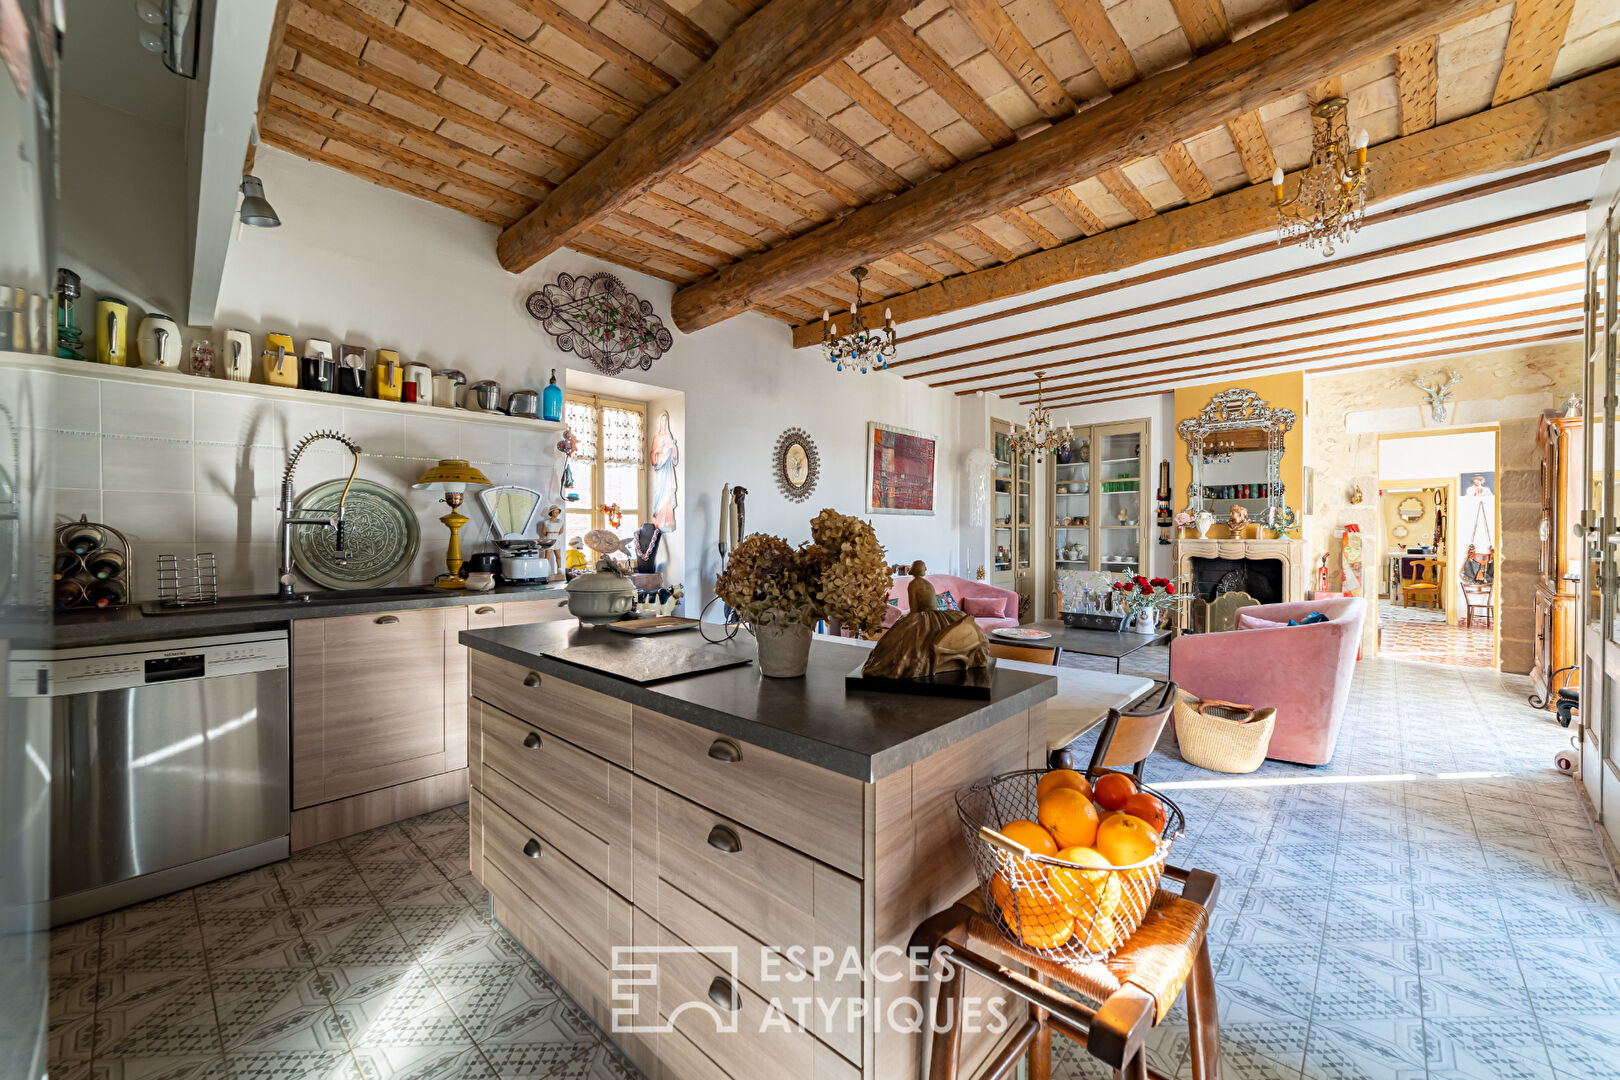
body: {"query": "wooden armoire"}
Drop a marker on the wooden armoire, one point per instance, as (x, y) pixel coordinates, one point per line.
(1558, 581)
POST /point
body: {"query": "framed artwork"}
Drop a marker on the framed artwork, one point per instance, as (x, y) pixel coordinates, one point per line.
(899, 470)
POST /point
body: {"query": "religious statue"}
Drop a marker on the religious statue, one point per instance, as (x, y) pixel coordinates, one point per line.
(663, 456)
(927, 640)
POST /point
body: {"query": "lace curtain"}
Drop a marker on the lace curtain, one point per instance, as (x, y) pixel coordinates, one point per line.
(581, 419)
(622, 436)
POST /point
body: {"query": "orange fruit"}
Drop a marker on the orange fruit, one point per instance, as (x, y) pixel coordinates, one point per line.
(1125, 841)
(1099, 934)
(1031, 835)
(1087, 894)
(1112, 789)
(1149, 809)
(1037, 918)
(1057, 778)
(1070, 817)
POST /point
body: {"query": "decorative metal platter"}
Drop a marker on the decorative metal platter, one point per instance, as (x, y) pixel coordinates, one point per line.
(380, 531)
(1019, 633)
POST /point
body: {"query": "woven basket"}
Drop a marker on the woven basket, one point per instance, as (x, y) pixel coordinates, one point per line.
(1221, 736)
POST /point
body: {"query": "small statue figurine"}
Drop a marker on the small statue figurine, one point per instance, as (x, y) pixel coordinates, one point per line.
(1237, 521)
(551, 531)
(575, 558)
(926, 640)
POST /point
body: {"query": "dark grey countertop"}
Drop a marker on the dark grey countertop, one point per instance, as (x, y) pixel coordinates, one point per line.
(861, 734)
(75, 629)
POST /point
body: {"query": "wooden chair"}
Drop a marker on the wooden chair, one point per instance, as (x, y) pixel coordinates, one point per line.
(1129, 735)
(1476, 582)
(1030, 654)
(1120, 999)
(1425, 584)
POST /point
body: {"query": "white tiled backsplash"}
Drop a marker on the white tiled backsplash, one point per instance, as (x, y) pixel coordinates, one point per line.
(185, 469)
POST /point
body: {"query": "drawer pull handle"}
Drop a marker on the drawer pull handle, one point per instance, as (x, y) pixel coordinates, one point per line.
(724, 995)
(532, 679)
(725, 750)
(724, 838)
(532, 740)
(485, 610)
(532, 848)
(384, 620)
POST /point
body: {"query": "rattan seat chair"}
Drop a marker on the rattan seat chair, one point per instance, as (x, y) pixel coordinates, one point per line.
(1120, 999)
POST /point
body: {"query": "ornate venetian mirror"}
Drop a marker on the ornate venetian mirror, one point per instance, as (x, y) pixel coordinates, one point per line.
(1409, 508)
(1235, 448)
(797, 465)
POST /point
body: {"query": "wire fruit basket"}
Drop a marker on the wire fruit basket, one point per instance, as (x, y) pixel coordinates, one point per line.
(1070, 912)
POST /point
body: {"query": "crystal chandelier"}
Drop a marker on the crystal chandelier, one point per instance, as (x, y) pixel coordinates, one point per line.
(863, 347)
(1038, 436)
(1332, 191)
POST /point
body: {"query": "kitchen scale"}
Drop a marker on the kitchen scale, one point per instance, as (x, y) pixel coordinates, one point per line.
(513, 510)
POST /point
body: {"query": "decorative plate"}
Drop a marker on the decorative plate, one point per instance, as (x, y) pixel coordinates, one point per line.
(797, 464)
(598, 319)
(379, 529)
(1019, 633)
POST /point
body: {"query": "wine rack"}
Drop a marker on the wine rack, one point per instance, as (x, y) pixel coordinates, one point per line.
(91, 566)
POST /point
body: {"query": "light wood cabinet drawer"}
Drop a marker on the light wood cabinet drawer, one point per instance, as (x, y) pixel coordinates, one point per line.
(592, 914)
(520, 612)
(483, 616)
(739, 1032)
(694, 866)
(812, 809)
(581, 801)
(585, 718)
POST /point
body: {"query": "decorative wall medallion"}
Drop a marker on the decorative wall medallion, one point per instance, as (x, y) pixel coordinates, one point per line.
(381, 534)
(797, 464)
(598, 319)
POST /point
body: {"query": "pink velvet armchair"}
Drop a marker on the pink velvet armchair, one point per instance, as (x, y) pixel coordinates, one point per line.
(992, 605)
(1304, 671)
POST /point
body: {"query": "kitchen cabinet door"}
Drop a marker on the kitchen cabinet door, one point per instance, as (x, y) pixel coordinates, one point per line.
(370, 698)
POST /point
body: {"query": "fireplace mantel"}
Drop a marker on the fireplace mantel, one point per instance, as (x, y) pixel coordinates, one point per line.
(1289, 552)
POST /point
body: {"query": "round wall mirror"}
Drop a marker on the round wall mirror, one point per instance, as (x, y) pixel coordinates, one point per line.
(1409, 508)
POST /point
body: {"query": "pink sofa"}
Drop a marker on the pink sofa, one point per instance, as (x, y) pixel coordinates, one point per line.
(961, 588)
(1304, 671)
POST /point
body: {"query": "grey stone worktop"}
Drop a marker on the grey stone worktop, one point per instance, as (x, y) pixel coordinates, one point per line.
(76, 629)
(862, 734)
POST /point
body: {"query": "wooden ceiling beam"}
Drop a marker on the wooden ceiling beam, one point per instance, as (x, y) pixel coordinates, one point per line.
(1079, 214)
(986, 243)
(1121, 188)
(917, 55)
(674, 25)
(950, 255)
(670, 236)
(1249, 136)
(799, 167)
(772, 54)
(1532, 129)
(601, 251)
(591, 39)
(604, 234)
(1204, 23)
(1186, 174)
(1330, 293)
(382, 179)
(849, 151)
(272, 65)
(1019, 218)
(1103, 46)
(755, 180)
(889, 115)
(1285, 57)
(1009, 46)
(1416, 85)
(682, 182)
(1534, 40)
(703, 221)
(914, 266)
(366, 72)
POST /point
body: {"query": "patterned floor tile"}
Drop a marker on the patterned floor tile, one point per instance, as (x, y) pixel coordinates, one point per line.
(1388, 1049)
(1585, 1044)
(1499, 1046)
(289, 1064)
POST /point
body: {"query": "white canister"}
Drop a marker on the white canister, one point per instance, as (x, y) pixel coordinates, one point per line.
(421, 377)
(444, 391)
(158, 342)
(238, 356)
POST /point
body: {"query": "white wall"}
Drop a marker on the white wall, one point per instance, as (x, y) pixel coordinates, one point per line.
(1430, 456)
(359, 264)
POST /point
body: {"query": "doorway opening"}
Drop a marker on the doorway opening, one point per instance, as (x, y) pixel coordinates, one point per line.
(1439, 548)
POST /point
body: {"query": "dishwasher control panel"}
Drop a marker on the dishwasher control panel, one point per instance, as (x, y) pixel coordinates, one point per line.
(60, 672)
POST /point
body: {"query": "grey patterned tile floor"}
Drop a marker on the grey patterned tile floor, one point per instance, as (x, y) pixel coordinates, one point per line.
(1432, 905)
(368, 958)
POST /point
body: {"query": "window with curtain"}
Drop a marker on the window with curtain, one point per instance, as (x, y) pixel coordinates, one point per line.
(609, 464)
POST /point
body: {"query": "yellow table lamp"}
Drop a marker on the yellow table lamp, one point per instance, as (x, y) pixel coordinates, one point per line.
(452, 476)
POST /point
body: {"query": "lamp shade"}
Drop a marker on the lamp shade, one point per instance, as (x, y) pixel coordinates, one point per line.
(451, 474)
(256, 209)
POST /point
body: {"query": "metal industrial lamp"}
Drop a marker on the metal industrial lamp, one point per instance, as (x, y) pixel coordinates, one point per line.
(452, 476)
(256, 209)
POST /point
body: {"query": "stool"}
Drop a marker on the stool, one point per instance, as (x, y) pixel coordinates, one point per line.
(1132, 990)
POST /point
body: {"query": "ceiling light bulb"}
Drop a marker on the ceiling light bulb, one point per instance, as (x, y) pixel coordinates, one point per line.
(1361, 139)
(1277, 177)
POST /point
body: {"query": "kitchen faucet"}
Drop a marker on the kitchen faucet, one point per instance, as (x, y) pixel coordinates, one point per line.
(284, 577)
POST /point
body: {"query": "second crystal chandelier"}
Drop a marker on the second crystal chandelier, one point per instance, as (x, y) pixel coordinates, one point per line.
(864, 348)
(1332, 192)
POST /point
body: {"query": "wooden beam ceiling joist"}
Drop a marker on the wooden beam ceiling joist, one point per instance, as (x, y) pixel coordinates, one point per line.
(674, 25)
(683, 243)
(702, 221)
(382, 179)
(1386, 361)
(642, 246)
(849, 151)
(1334, 292)
(272, 66)
(587, 246)
(1014, 52)
(758, 182)
(1285, 57)
(1103, 46)
(1188, 177)
(1534, 40)
(1204, 23)
(768, 57)
(682, 182)
(591, 39)
(1416, 85)
(889, 115)
(799, 167)
(925, 63)
(1079, 214)
(1532, 129)
(1254, 149)
(944, 251)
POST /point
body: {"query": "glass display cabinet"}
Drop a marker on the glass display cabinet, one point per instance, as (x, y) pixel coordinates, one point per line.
(1102, 502)
(1012, 520)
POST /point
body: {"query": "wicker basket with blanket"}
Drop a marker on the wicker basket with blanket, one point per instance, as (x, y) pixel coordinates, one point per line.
(1223, 736)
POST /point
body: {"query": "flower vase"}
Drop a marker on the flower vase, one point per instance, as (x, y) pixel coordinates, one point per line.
(1204, 520)
(784, 651)
(1145, 621)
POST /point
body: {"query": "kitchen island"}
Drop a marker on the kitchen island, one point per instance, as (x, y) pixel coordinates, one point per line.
(676, 854)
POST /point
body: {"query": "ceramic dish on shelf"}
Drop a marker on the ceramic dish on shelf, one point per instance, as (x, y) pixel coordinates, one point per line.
(1019, 633)
(379, 530)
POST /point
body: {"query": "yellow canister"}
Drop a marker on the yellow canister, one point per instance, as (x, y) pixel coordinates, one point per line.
(280, 361)
(112, 331)
(388, 374)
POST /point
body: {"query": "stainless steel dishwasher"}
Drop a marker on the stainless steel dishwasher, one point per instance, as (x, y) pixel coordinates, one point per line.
(170, 764)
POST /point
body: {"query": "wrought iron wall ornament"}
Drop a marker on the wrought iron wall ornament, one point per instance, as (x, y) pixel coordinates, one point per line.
(797, 464)
(598, 319)
(1229, 411)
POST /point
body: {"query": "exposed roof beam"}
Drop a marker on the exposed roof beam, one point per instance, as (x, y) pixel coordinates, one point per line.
(773, 53)
(926, 64)
(593, 40)
(1286, 57)
(274, 138)
(1535, 128)
(1534, 39)
(1100, 41)
(674, 25)
(1204, 22)
(1009, 46)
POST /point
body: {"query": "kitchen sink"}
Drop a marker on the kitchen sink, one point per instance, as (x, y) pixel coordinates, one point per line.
(271, 602)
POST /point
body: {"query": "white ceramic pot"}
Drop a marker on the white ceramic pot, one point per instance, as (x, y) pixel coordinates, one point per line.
(1145, 621)
(601, 597)
(158, 342)
(1203, 521)
(784, 651)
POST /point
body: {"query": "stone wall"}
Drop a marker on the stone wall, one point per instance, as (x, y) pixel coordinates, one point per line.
(1506, 389)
